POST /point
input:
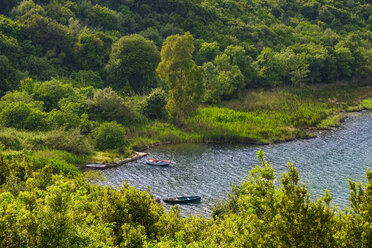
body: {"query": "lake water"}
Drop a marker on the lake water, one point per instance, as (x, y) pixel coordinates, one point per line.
(324, 162)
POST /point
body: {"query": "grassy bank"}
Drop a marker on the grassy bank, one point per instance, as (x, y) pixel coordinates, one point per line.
(258, 117)
(261, 116)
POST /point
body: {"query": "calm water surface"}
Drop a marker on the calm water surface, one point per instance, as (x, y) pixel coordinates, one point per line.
(325, 162)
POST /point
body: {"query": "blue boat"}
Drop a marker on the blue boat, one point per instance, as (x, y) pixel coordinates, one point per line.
(158, 162)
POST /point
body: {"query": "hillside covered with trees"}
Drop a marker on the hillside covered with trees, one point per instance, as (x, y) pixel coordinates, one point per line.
(74, 65)
(84, 81)
(240, 44)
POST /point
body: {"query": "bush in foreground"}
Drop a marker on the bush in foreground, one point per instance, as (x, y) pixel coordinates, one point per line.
(39, 209)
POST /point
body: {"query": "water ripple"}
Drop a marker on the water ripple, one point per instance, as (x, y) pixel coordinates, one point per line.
(325, 162)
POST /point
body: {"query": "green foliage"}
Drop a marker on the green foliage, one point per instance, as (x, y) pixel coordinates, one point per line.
(51, 92)
(47, 34)
(183, 76)
(38, 208)
(89, 51)
(133, 61)
(9, 27)
(60, 161)
(207, 52)
(154, 104)
(109, 135)
(344, 61)
(229, 76)
(108, 105)
(19, 96)
(9, 76)
(9, 141)
(10, 48)
(66, 119)
(71, 141)
(270, 69)
(59, 12)
(42, 68)
(23, 116)
(214, 88)
(86, 79)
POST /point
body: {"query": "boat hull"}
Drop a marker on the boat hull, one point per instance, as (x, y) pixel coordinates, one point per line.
(182, 200)
(157, 162)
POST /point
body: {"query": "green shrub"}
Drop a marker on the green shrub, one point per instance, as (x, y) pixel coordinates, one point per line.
(51, 92)
(154, 104)
(57, 160)
(109, 135)
(71, 141)
(108, 105)
(58, 118)
(23, 116)
(19, 96)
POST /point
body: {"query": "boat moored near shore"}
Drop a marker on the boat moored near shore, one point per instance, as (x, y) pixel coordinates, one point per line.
(158, 162)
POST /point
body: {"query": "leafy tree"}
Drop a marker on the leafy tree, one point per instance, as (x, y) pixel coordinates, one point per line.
(51, 92)
(59, 12)
(20, 96)
(109, 135)
(27, 8)
(9, 76)
(103, 17)
(48, 35)
(108, 105)
(345, 60)
(316, 56)
(207, 52)
(153, 34)
(269, 68)
(295, 66)
(89, 51)
(10, 48)
(356, 227)
(154, 104)
(239, 57)
(133, 61)
(229, 75)
(23, 116)
(214, 88)
(65, 119)
(183, 76)
(42, 68)
(10, 28)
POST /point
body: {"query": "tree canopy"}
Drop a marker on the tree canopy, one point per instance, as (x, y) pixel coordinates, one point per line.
(183, 76)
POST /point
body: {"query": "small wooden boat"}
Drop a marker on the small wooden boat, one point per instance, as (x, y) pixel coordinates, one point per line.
(182, 199)
(158, 162)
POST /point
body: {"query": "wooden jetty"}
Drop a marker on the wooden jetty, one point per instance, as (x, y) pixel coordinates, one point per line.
(100, 166)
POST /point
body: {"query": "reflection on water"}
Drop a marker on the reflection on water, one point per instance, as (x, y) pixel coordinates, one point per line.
(325, 162)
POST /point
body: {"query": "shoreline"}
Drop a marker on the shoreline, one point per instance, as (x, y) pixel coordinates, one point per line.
(312, 132)
(101, 166)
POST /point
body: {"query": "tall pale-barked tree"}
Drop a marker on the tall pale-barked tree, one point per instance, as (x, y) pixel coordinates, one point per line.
(183, 77)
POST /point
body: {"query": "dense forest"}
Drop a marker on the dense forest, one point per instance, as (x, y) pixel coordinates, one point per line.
(84, 81)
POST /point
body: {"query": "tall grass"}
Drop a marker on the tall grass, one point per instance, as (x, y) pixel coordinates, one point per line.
(259, 117)
(71, 141)
(156, 132)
